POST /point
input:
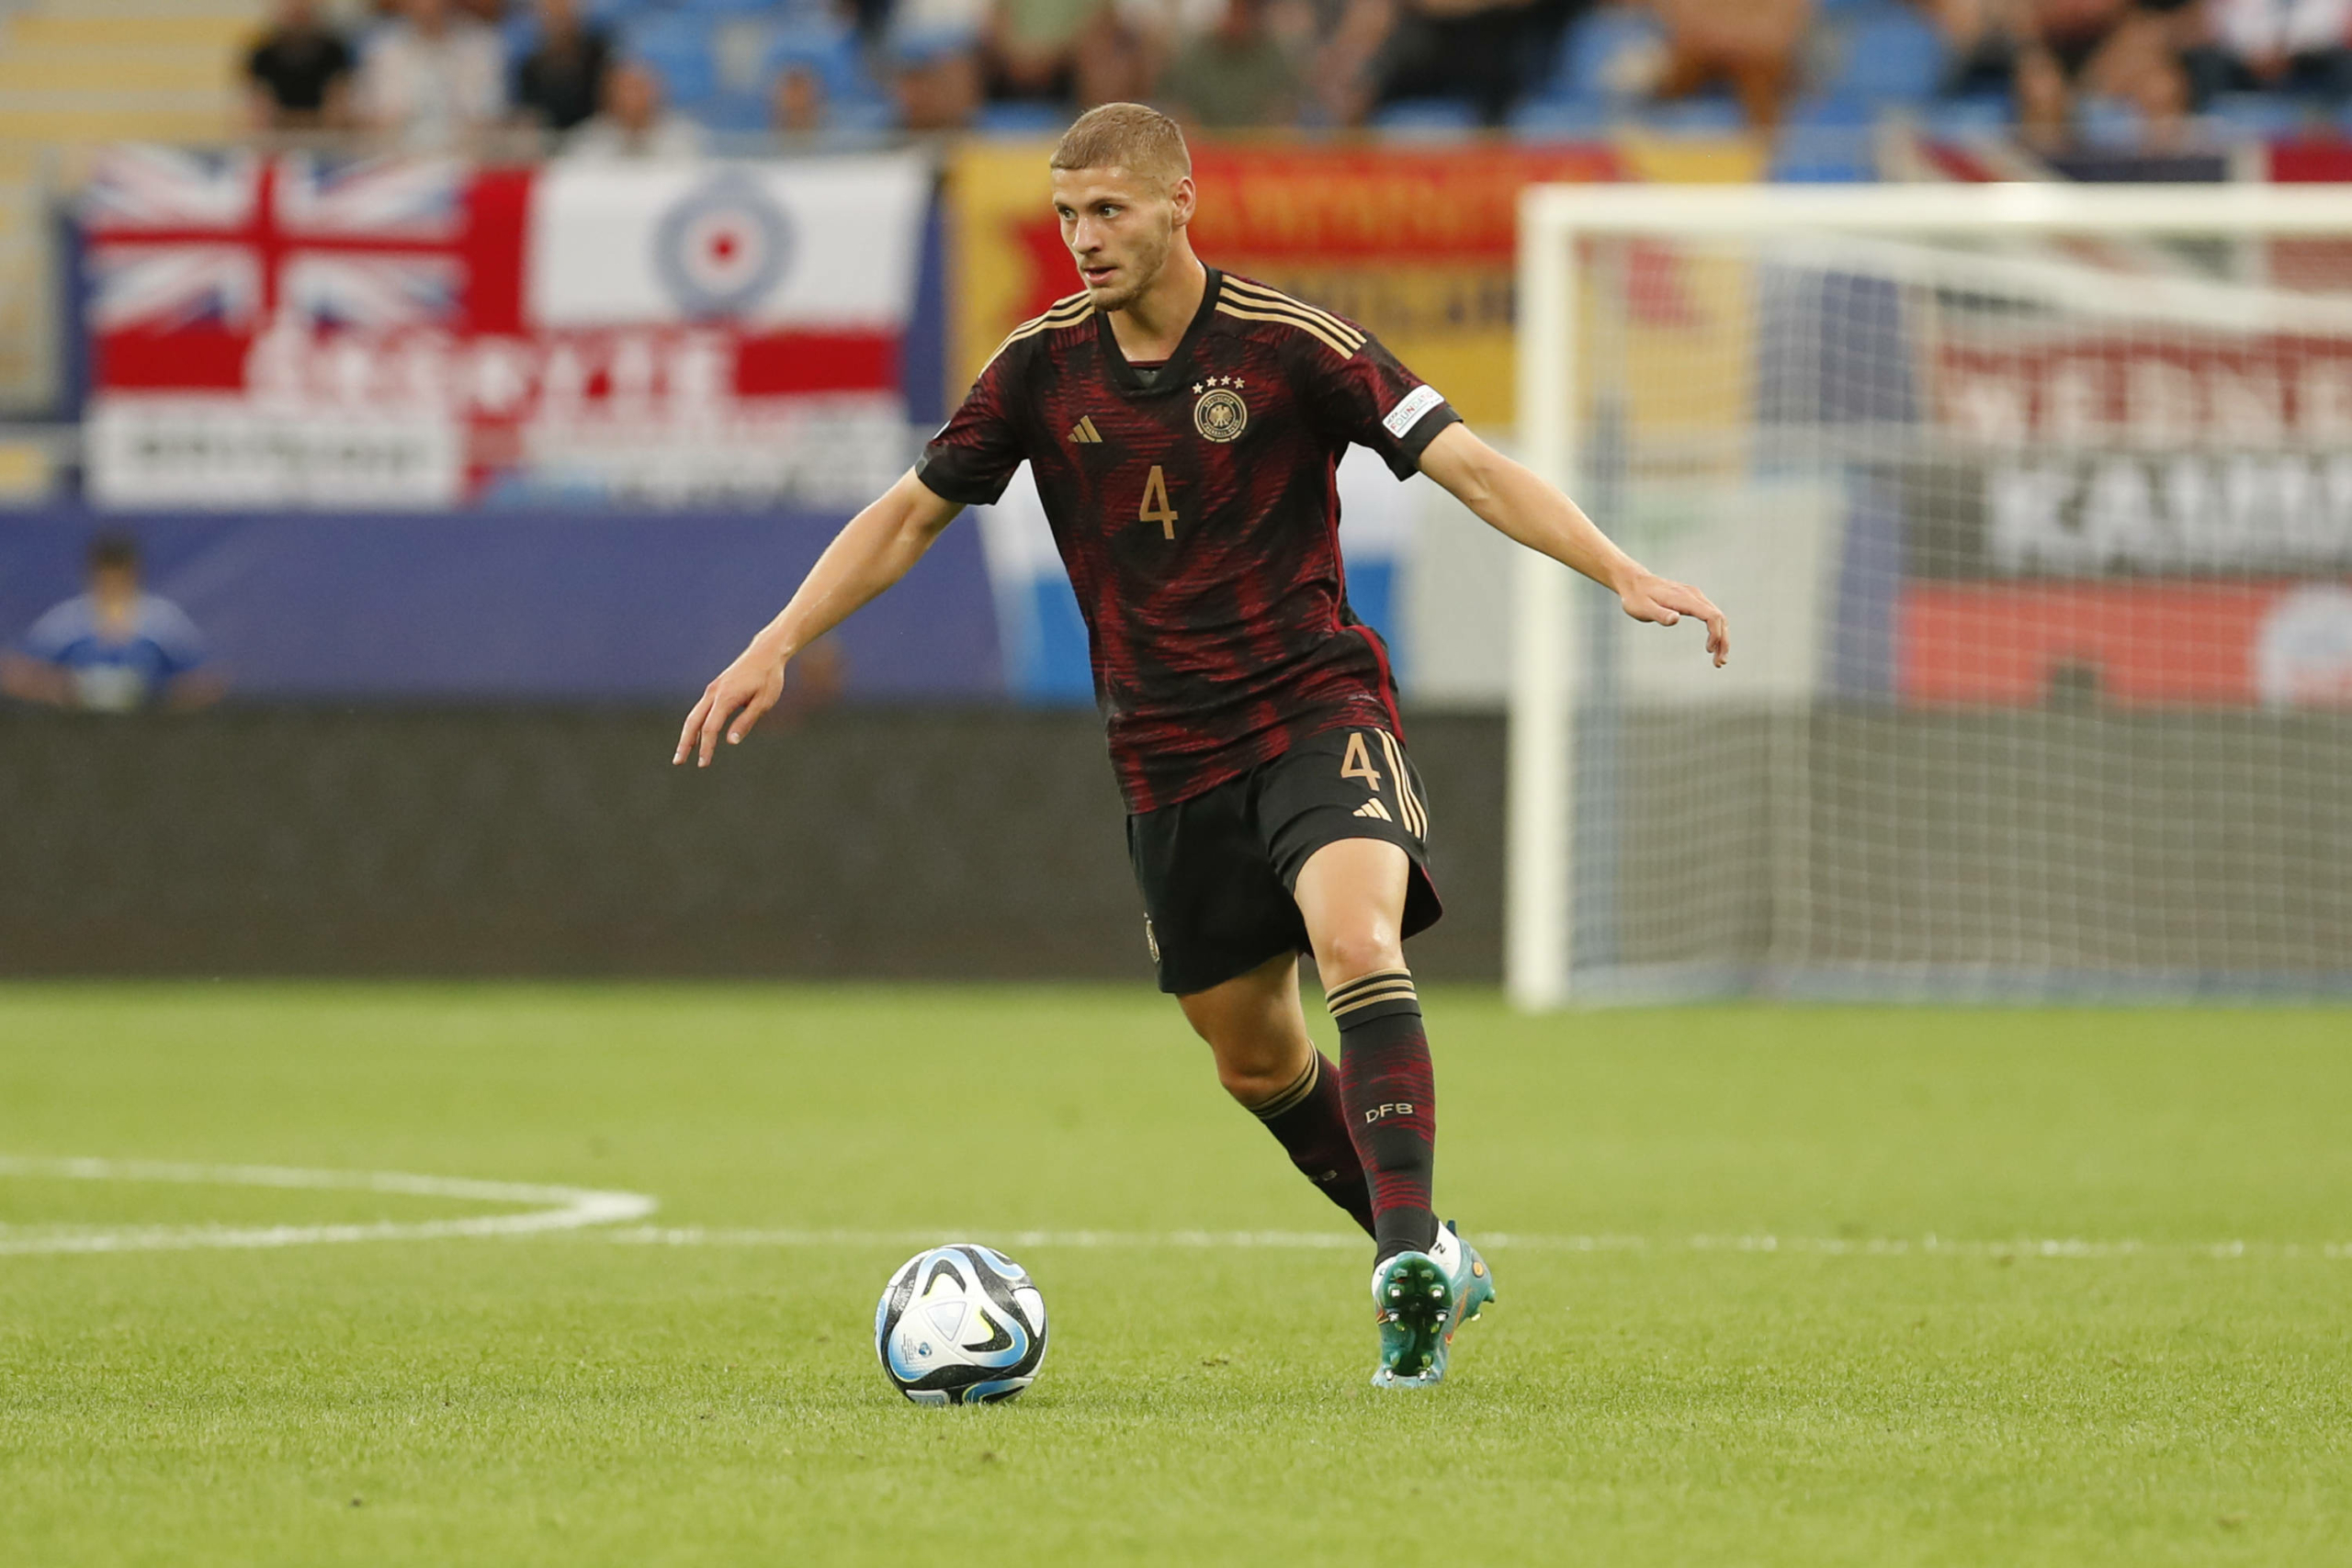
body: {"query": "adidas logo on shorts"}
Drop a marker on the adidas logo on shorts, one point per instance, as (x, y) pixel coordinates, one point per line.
(1372, 808)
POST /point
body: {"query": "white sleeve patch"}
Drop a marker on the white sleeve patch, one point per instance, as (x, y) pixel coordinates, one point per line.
(1408, 414)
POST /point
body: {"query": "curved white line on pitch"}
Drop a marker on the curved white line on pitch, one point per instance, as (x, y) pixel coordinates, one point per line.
(1493, 1241)
(551, 1208)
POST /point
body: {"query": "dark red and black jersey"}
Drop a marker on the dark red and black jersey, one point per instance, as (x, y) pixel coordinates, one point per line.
(1197, 508)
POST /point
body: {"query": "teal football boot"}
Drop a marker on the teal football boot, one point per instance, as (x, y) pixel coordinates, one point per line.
(1419, 1300)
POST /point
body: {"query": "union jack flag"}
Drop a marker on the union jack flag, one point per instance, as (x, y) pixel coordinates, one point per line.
(179, 239)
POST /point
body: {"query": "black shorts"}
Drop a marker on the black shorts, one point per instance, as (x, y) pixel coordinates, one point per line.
(1216, 871)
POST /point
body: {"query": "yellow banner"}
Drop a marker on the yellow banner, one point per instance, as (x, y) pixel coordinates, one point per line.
(1416, 244)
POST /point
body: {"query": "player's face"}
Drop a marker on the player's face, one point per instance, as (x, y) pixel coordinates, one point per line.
(1120, 227)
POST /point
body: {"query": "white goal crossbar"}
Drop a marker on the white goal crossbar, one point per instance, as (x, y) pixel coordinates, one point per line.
(2010, 235)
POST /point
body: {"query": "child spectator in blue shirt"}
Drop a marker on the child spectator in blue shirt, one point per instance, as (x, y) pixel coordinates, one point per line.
(114, 648)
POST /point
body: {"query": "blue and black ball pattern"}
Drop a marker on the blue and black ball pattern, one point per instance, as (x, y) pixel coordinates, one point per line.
(961, 1324)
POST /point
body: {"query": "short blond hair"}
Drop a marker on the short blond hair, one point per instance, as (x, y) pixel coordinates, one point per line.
(1133, 137)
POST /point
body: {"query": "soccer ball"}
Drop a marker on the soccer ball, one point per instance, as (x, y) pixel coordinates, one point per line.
(961, 1324)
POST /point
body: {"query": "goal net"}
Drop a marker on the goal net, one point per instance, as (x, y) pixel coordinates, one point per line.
(2032, 509)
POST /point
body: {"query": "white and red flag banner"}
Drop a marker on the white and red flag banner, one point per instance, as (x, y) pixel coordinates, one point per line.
(305, 331)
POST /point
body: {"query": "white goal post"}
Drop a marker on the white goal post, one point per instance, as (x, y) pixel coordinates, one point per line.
(2032, 509)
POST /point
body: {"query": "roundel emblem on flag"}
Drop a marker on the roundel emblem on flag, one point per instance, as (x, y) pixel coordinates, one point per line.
(1220, 414)
(721, 249)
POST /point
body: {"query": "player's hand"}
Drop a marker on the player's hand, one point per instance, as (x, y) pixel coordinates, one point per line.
(1665, 601)
(730, 705)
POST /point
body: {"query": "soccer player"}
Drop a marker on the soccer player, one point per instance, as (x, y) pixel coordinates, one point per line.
(1184, 426)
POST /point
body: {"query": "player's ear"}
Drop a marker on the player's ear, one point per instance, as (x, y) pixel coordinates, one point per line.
(1181, 196)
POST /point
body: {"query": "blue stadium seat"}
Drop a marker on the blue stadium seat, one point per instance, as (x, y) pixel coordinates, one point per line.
(1799, 164)
(681, 55)
(2247, 116)
(1596, 52)
(1971, 118)
(1021, 120)
(853, 100)
(1830, 113)
(1889, 55)
(518, 35)
(724, 7)
(1425, 119)
(862, 117)
(2110, 124)
(1560, 118)
(678, 47)
(1826, 141)
(831, 51)
(1811, 158)
(734, 111)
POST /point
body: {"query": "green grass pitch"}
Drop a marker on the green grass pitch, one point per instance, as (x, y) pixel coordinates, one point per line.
(1677, 1391)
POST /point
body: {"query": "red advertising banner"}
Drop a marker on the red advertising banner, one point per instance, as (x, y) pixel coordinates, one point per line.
(2126, 645)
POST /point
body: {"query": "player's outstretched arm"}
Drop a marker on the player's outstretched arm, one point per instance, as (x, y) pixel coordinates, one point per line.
(879, 546)
(1509, 498)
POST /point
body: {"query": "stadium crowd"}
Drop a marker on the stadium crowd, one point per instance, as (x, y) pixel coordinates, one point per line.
(622, 78)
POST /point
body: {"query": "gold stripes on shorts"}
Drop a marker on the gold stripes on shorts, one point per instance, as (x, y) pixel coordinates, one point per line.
(1416, 815)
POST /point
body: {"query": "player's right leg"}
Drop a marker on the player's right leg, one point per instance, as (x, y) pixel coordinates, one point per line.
(1266, 1060)
(1224, 936)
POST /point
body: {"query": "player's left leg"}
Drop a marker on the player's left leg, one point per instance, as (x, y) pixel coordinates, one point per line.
(1351, 894)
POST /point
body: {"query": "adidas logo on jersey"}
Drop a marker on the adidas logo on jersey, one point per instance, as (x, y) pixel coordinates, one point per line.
(1372, 808)
(1084, 433)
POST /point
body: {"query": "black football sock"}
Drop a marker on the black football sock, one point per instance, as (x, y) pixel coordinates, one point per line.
(1391, 1098)
(1311, 1124)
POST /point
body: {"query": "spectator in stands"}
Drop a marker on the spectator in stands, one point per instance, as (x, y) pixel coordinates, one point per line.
(797, 100)
(113, 648)
(935, 76)
(1750, 46)
(2302, 47)
(433, 80)
(297, 75)
(1234, 75)
(1156, 31)
(1060, 51)
(634, 122)
(1486, 52)
(560, 82)
(1345, 80)
(2050, 52)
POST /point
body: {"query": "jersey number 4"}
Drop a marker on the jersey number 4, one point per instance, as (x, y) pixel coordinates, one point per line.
(1154, 507)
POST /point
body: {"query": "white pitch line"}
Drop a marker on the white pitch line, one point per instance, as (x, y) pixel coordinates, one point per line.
(1491, 1241)
(560, 1209)
(553, 1208)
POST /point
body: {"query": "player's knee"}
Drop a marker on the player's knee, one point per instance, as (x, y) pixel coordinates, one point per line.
(1250, 1081)
(1350, 955)
(1254, 1065)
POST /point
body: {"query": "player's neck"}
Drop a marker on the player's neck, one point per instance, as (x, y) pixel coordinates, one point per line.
(115, 606)
(1148, 329)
